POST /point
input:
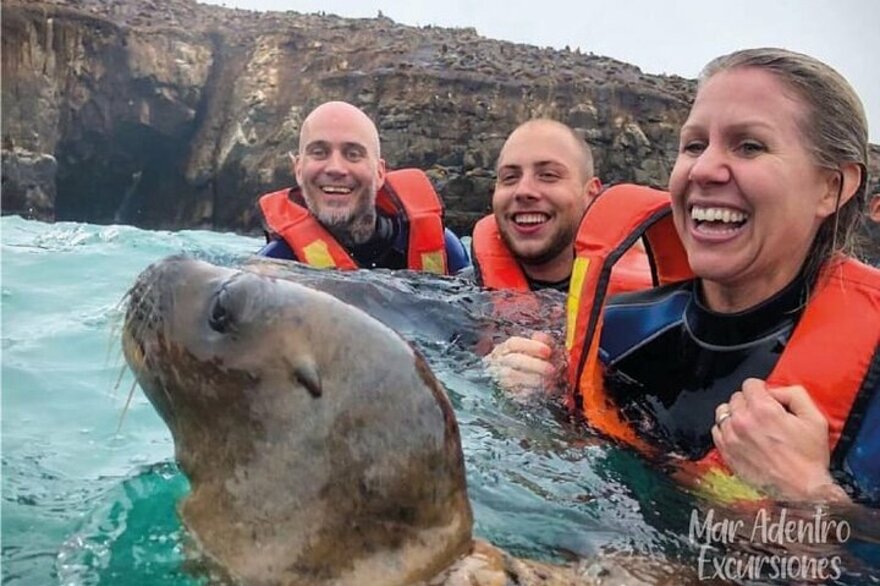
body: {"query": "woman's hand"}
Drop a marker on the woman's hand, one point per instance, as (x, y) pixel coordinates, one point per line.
(523, 365)
(776, 439)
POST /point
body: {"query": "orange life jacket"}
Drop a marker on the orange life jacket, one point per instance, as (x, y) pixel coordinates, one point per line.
(832, 347)
(498, 269)
(407, 193)
(617, 219)
(843, 313)
(493, 261)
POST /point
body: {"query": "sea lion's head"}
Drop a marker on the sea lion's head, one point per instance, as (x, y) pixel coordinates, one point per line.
(319, 447)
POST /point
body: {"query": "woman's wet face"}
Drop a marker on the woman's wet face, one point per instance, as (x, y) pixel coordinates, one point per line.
(748, 197)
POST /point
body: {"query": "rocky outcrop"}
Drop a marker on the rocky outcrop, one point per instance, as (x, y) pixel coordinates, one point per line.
(29, 184)
(172, 114)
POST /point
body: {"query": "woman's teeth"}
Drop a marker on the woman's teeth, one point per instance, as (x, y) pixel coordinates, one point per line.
(725, 215)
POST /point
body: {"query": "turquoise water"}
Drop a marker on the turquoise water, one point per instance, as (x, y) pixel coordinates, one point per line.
(87, 500)
(82, 503)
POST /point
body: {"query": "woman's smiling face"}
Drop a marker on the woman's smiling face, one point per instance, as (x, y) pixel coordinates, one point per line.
(748, 197)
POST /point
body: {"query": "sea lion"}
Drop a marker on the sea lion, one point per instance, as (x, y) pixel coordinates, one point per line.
(416, 305)
(319, 447)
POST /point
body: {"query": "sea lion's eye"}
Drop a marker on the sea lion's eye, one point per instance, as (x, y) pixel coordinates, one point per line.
(220, 318)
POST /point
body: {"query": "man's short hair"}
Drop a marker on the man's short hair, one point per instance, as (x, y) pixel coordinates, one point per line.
(585, 154)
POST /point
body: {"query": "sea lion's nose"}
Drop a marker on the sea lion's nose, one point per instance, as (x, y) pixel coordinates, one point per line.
(143, 295)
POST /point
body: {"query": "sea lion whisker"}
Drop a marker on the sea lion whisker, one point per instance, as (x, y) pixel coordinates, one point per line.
(124, 299)
(118, 382)
(146, 311)
(116, 327)
(119, 360)
(125, 407)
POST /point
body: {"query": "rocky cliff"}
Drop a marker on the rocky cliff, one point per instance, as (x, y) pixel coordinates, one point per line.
(172, 114)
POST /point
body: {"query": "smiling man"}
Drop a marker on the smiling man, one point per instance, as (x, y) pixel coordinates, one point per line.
(545, 182)
(348, 212)
(544, 185)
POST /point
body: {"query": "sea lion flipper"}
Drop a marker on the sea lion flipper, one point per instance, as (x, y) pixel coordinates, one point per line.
(305, 373)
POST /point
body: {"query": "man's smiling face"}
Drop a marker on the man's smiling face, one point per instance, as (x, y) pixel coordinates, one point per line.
(339, 170)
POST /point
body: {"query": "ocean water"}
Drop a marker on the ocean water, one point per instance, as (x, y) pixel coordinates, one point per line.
(89, 495)
(84, 503)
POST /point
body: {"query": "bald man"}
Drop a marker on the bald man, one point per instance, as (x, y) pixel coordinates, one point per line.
(348, 212)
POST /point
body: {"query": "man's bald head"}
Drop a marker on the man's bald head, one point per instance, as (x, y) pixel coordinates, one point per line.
(340, 115)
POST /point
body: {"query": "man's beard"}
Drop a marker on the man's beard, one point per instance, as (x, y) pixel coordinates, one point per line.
(561, 241)
(350, 226)
(353, 229)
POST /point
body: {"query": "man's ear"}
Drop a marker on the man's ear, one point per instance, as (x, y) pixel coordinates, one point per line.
(845, 181)
(874, 208)
(380, 174)
(592, 188)
(295, 166)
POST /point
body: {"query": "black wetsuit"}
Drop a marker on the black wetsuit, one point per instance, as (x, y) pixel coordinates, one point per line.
(669, 362)
(535, 285)
(668, 372)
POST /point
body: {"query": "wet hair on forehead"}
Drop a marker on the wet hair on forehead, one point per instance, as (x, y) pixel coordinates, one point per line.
(835, 124)
(834, 127)
(584, 153)
(343, 108)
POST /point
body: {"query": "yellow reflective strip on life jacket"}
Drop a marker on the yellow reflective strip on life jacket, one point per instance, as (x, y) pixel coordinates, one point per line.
(432, 262)
(317, 254)
(721, 486)
(410, 192)
(573, 303)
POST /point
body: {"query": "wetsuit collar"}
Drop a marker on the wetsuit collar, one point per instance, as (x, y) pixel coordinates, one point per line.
(371, 253)
(536, 285)
(730, 329)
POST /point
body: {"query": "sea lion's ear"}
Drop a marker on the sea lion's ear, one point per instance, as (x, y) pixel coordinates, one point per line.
(305, 373)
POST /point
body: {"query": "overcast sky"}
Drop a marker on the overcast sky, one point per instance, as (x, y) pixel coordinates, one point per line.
(671, 36)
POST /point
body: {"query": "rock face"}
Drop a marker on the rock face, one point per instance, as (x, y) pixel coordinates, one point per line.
(29, 183)
(171, 114)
